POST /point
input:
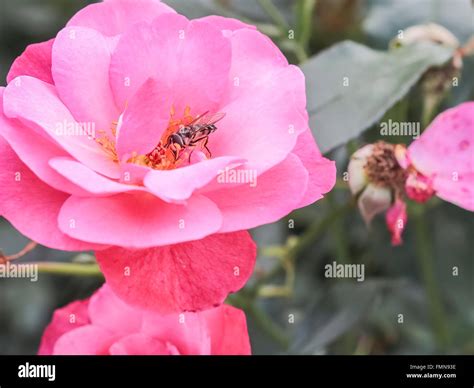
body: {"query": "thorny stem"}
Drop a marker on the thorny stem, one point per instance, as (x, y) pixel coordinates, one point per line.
(28, 248)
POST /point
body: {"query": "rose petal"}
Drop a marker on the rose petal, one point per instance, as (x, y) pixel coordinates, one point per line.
(88, 179)
(68, 318)
(114, 17)
(73, 68)
(37, 104)
(270, 197)
(109, 312)
(171, 51)
(138, 220)
(184, 277)
(84, 341)
(226, 24)
(35, 61)
(144, 120)
(179, 184)
(228, 331)
(31, 206)
(445, 153)
(141, 344)
(35, 154)
(322, 171)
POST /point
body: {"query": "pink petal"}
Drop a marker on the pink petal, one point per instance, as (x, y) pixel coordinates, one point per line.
(133, 174)
(87, 340)
(109, 312)
(141, 344)
(173, 50)
(87, 179)
(138, 220)
(31, 206)
(144, 120)
(322, 171)
(37, 105)
(184, 277)
(277, 192)
(228, 331)
(445, 153)
(35, 154)
(226, 24)
(114, 17)
(255, 60)
(35, 61)
(73, 69)
(65, 319)
(396, 219)
(418, 187)
(263, 124)
(179, 184)
(188, 332)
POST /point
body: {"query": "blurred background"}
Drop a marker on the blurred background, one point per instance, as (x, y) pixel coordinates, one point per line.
(291, 306)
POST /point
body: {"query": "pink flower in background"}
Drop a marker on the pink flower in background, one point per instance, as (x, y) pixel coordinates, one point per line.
(92, 156)
(396, 218)
(105, 325)
(441, 161)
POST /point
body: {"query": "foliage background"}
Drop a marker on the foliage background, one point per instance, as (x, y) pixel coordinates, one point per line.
(291, 306)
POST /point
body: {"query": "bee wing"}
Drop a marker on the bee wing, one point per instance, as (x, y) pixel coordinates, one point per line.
(209, 118)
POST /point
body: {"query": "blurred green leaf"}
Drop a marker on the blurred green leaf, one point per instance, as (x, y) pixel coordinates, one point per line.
(351, 86)
(338, 310)
(386, 17)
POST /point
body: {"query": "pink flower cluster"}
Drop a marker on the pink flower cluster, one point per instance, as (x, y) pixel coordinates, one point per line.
(104, 324)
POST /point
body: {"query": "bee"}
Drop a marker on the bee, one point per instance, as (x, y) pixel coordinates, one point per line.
(195, 133)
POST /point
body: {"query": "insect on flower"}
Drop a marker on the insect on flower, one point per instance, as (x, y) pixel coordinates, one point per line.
(195, 133)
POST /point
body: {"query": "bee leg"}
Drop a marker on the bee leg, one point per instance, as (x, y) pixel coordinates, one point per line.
(189, 157)
(204, 146)
(175, 150)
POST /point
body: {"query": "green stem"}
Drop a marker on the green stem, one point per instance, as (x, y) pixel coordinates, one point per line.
(338, 233)
(71, 269)
(305, 13)
(275, 15)
(425, 260)
(262, 320)
(267, 325)
(315, 229)
(304, 241)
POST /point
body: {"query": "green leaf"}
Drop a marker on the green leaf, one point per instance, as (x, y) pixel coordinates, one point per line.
(375, 81)
(386, 17)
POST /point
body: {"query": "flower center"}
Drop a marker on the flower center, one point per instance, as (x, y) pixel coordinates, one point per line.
(167, 155)
(173, 150)
(383, 169)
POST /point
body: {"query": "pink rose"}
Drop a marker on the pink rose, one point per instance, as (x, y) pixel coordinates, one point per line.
(442, 159)
(91, 158)
(105, 325)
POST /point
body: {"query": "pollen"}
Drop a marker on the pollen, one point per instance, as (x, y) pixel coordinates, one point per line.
(160, 157)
